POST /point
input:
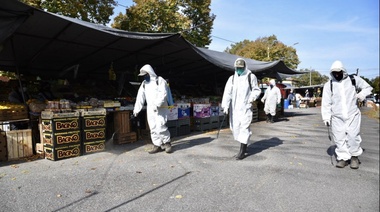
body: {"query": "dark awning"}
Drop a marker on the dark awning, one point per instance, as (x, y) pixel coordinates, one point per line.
(45, 44)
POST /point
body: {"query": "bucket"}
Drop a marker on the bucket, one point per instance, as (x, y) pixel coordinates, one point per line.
(286, 103)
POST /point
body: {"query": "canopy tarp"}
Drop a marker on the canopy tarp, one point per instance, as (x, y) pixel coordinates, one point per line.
(40, 43)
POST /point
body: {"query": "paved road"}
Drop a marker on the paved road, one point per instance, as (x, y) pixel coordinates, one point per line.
(288, 168)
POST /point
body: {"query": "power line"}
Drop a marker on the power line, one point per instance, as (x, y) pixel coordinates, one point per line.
(223, 39)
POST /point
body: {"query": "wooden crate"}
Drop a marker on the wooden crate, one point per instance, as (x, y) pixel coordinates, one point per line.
(19, 144)
(16, 113)
(122, 122)
(3, 147)
(123, 138)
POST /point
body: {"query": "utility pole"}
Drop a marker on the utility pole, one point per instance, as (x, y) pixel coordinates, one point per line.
(310, 76)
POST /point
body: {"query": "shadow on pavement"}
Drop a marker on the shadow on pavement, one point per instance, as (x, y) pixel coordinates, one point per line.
(184, 144)
(262, 145)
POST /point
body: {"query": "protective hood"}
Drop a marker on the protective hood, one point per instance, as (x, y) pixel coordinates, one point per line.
(147, 69)
(337, 66)
(272, 82)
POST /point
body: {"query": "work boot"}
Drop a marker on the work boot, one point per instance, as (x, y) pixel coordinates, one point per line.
(168, 147)
(155, 149)
(341, 164)
(243, 150)
(354, 164)
(271, 119)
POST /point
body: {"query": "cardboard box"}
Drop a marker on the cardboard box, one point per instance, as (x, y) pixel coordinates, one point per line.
(201, 110)
(172, 112)
(62, 138)
(183, 110)
(91, 122)
(94, 146)
(19, 144)
(56, 125)
(62, 152)
(93, 135)
(214, 110)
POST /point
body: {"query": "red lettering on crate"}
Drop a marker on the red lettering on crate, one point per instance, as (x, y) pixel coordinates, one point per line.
(49, 155)
(95, 148)
(68, 153)
(68, 139)
(95, 123)
(46, 126)
(95, 135)
(47, 140)
(66, 125)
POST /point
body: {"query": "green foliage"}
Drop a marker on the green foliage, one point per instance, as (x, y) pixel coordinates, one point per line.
(266, 49)
(191, 17)
(375, 83)
(310, 77)
(95, 11)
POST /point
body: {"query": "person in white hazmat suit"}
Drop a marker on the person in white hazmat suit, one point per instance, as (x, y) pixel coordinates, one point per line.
(340, 110)
(239, 93)
(153, 91)
(272, 97)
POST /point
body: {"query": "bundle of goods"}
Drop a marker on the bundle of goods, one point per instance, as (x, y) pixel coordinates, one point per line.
(12, 111)
(36, 106)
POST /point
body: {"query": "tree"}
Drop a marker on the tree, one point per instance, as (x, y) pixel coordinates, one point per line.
(201, 22)
(310, 77)
(266, 49)
(189, 17)
(95, 11)
(375, 83)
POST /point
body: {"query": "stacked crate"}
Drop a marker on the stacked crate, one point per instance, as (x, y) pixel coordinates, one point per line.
(214, 117)
(183, 124)
(172, 127)
(3, 147)
(255, 112)
(93, 130)
(122, 126)
(201, 117)
(172, 120)
(61, 135)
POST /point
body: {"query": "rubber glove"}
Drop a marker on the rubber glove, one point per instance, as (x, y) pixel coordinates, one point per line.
(327, 122)
(360, 97)
(225, 111)
(135, 114)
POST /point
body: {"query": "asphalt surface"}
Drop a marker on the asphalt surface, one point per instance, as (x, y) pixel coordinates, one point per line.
(288, 168)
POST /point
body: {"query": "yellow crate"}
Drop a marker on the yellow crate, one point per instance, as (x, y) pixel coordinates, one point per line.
(19, 144)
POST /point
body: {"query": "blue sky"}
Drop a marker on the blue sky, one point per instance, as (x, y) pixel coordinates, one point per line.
(346, 30)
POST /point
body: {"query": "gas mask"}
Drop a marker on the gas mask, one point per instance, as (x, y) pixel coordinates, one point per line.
(338, 75)
(239, 71)
(147, 77)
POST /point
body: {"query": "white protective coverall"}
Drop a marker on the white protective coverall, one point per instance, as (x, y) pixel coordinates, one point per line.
(155, 94)
(272, 97)
(238, 95)
(339, 105)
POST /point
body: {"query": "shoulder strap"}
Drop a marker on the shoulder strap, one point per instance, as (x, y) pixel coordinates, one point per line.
(249, 81)
(352, 79)
(353, 82)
